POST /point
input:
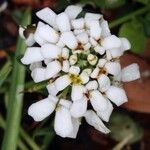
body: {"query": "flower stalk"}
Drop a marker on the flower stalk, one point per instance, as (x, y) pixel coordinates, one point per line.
(16, 98)
(129, 16)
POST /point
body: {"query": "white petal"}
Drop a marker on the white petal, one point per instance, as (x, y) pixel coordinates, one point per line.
(111, 42)
(99, 49)
(116, 52)
(105, 29)
(60, 43)
(92, 85)
(130, 73)
(65, 66)
(47, 15)
(62, 21)
(52, 69)
(78, 23)
(37, 38)
(101, 63)
(52, 98)
(69, 40)
(66, 103)
(38, 74)
(74, 70)
(125, 44)
(87, 46)
(73, 10)
(93, 16)
(104, 82)
(32, 55)
(98, 101)
(84, 77)
(95, 29)
(95, 73)
(82, 38)
(108, 55)
(65, 53)
(47, 33)
(62, 82)
(73, 59)
(52, 89)
(77, 92)
(105, 115)
(41, 109)
(30, 40)
(63, 124)
(50, 51)
(79, 107)
(92, 119)
(113, 68)
(116, 95)
(47, 61)
(78, 31)
(35, 65)
(76, 124)
(93, 42)
(21, 32)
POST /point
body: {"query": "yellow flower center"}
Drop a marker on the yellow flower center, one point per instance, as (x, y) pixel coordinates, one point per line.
(75, 79)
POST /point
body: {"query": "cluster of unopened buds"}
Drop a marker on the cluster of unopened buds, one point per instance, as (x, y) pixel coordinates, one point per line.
(79, 57)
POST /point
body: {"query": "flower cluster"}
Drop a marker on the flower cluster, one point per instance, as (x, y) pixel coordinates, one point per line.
(80, 58)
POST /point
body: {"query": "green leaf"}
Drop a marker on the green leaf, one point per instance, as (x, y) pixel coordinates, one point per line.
(146, 23)
(110, 3)
(121, 126)
(34, 87)
(17, 16)
(134, 32)
(143, 1)
(5, 71)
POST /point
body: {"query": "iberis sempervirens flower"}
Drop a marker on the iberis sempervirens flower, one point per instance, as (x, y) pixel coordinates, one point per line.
(80, 58)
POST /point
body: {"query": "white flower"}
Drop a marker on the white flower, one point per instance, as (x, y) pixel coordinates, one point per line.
(47, 33)
(116, 95)
(92, 119)
(80, 58)
(95, 29)
(111, 42)
(73, 10)
(72, 77)
(130, 73)
(93, 16)
(47, 15)
(105, 115)
(63, 124)
(62, 21)
(43, 108)
(37, 38)
(69, 40)
(78, 23)
(32, 54)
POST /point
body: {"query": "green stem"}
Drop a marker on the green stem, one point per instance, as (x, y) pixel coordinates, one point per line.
(20, 143)
(125, 141)
(15, 97)
(29, 141)
(129, 16)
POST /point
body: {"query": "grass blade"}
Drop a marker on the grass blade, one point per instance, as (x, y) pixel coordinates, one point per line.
(20, 143)
(15, 96)
(5, 72)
